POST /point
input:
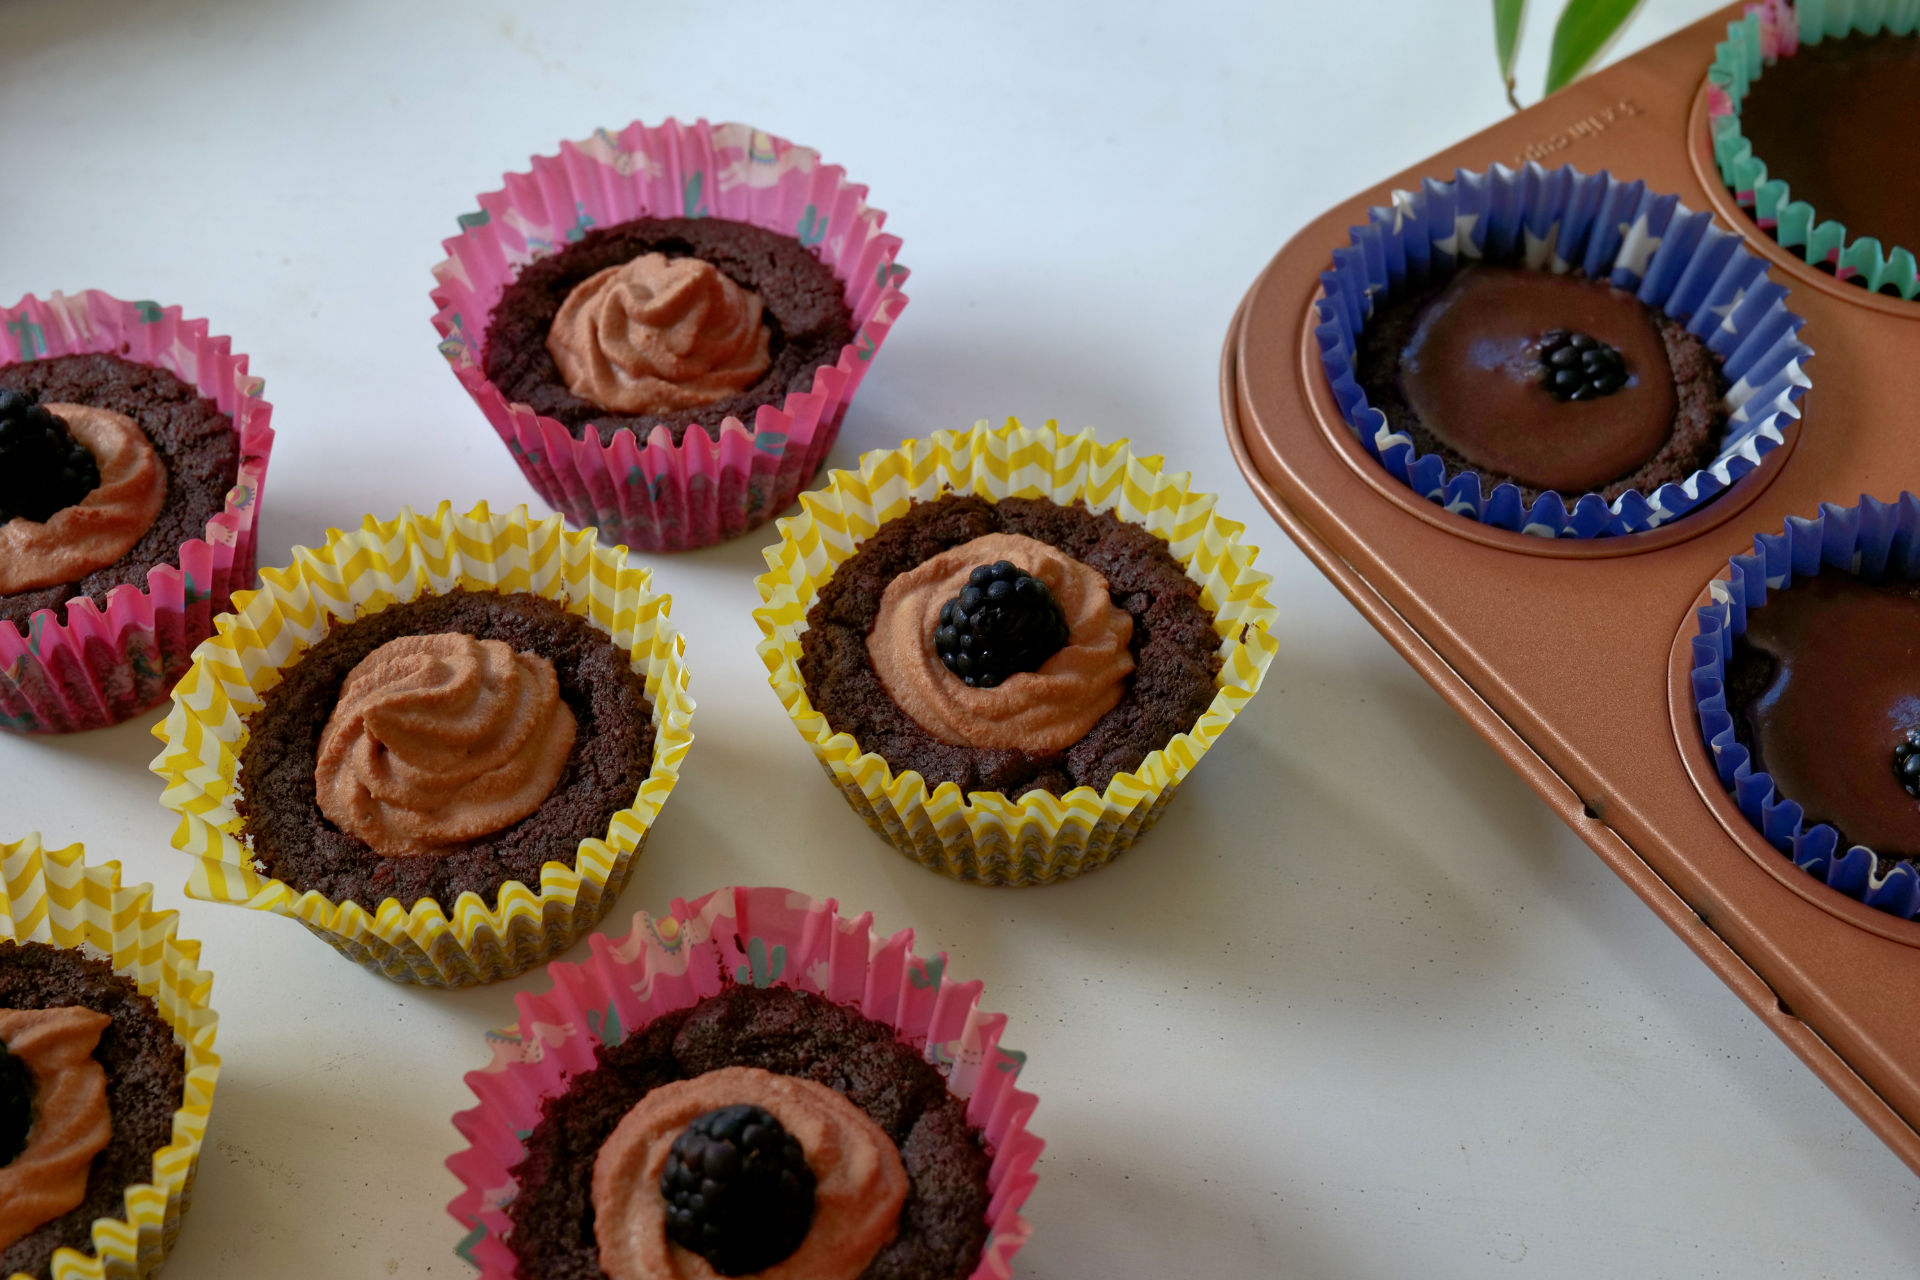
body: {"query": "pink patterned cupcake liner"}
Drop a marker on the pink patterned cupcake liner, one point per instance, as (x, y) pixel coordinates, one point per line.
(657, 495)
(765, 937)
(101, 666)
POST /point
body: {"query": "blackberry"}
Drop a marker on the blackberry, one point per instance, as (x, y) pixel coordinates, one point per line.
(1578, 366)
(738, 1190)
(1004, 621)
(16, 1106)
(1906, 763)
(43, 469)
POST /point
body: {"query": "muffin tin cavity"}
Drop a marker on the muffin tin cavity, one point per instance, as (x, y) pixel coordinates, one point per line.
(1563, 221)
(1751, 186)
(1873, 541)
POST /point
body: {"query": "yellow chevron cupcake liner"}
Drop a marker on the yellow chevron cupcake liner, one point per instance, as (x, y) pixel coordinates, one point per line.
(985, 837)
(53, 896)
(363, 572)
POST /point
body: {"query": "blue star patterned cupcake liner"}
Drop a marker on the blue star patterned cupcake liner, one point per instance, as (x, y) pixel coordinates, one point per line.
(1872, 540)
(1562, 220)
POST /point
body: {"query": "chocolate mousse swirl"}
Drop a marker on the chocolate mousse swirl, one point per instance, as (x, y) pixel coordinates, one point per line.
(659, 334)
(860, 1182)
(71, 1121)
(440, 739)
(1034, 711)
(102, 527)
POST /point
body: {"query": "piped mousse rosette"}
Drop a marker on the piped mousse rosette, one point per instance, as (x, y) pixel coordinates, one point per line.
(1806, 672)
(1008, 647)
(751, 1085)
(1814, 110)
(1556, 353)
(107, 1069)
(1005, 642)
(439, 742)
(665, 324)
(132, 450)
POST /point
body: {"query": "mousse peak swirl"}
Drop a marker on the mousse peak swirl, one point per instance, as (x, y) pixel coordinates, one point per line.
(439, 739)
(860, 1181)
(71, 1120)
(103, 526)
(1039, 711)
(659, 334)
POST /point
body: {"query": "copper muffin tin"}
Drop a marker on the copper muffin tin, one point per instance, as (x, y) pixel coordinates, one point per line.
(1572, 657)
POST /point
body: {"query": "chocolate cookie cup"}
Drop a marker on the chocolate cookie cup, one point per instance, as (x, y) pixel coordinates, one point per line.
(620, 1027)
(990, 837)
(108, 645)
(74, 929)
(796, 251)
(1704, 330)
(440, 931)
(1812, 111)
(1833, 603)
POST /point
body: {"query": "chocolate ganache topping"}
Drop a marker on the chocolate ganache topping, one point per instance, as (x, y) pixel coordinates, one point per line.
(1836, 123)
(1843, 694)
(1476, 370)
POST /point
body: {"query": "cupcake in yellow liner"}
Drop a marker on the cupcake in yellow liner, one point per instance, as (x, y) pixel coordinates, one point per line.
(52, 897)
(354, 575)
(987, 836)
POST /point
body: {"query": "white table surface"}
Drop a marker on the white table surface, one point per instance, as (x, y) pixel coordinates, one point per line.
(1360, 1006)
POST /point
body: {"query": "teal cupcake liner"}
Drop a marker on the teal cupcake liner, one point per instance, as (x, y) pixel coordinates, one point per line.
(1759, 38)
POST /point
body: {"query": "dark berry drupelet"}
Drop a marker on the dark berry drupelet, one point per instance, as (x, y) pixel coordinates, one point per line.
(43, 469)
(1578, 366)
(16, 1106)
(1906, 763)
(738, 1190)
(1003, 622)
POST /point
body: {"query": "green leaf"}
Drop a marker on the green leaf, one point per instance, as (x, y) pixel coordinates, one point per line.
(1585, 29)
(1507, 16)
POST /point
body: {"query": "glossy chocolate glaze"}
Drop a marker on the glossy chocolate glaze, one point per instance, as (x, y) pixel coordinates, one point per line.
(1472, 372)
(1827, 680)
(1837, 122)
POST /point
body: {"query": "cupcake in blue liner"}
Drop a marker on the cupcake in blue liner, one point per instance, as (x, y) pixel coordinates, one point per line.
(1689, 377)
(1806, 676)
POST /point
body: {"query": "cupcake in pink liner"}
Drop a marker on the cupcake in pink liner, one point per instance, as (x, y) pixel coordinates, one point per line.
(666, 324)
(866, 1119)
(135, 446)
